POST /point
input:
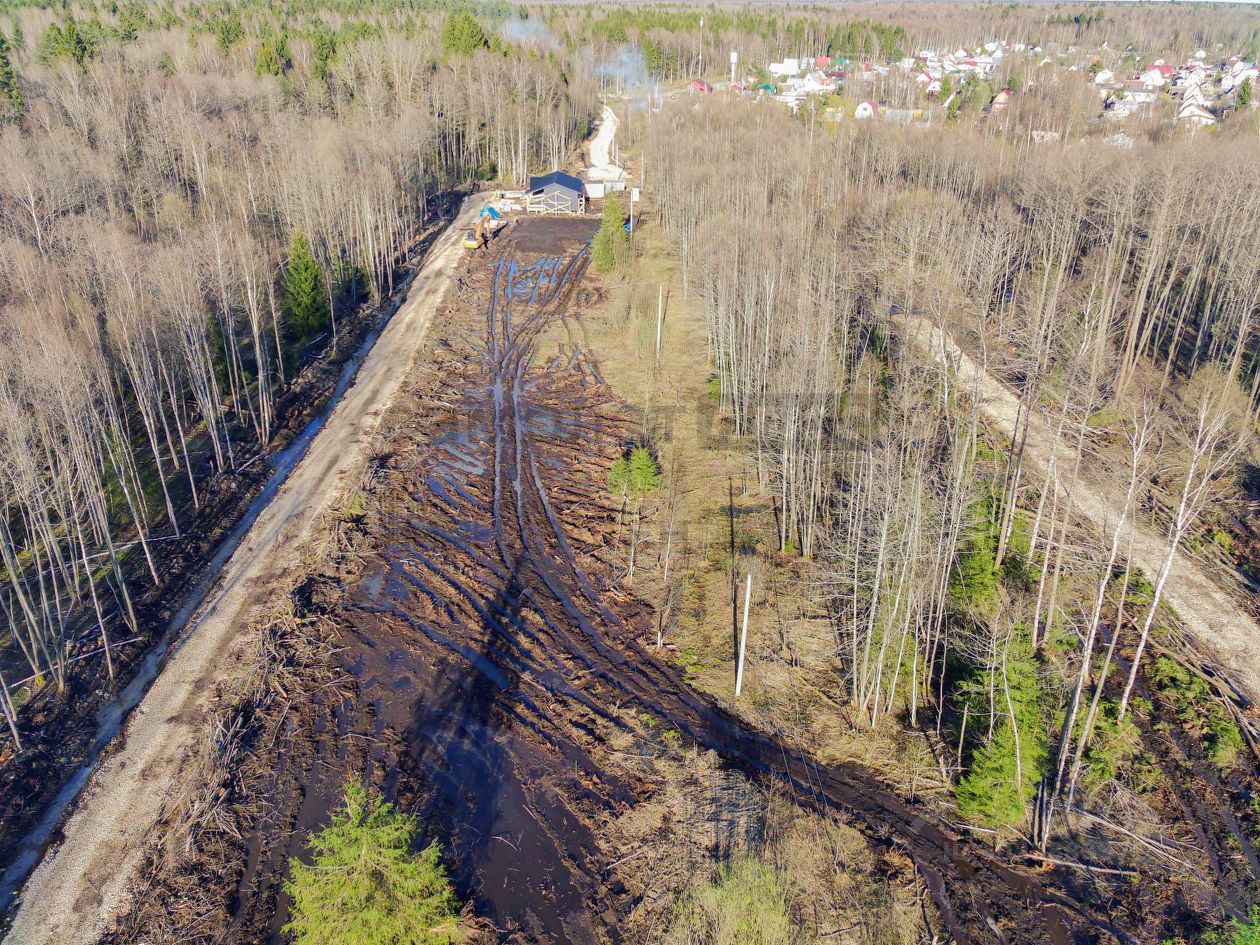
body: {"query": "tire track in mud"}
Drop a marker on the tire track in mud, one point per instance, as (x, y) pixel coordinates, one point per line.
(486, 567)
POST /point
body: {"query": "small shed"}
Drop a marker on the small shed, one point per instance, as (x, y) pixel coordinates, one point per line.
(556, 192)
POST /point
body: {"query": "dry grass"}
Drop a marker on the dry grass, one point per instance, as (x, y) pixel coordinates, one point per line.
(699, 814)
(793, 681)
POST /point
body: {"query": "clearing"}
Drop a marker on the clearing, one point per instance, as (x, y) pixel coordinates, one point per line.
(488, 667)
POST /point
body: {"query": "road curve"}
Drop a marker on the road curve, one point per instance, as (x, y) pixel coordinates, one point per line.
(80, 886)
(1224, 630)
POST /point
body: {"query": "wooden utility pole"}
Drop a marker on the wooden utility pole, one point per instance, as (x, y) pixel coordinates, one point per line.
(743, 639)
(660, 317)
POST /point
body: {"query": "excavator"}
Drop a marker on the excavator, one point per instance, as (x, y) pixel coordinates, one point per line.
(487, 223)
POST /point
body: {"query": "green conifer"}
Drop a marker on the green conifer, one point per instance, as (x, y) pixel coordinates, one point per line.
(366, 887)
(462, 34)
(305, 291)
(612, 245)
(11, 103)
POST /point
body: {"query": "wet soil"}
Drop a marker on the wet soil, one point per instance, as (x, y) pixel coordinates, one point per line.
(60, 730)
(487, 658)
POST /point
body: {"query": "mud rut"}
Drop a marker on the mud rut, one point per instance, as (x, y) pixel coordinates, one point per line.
(492, 643)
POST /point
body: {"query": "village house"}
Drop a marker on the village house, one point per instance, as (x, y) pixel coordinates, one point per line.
(1194, 114)
(1239, 73)
(556, 192)
(1157, 75)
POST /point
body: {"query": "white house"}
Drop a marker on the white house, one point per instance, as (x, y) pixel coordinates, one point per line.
(1239, 74)
(1196, 75)
(1194, 94)
(1104, 77)
(867, 109)
(1194, 114)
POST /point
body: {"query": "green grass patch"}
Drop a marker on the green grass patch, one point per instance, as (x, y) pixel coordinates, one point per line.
(745, 904)
(1197, 706)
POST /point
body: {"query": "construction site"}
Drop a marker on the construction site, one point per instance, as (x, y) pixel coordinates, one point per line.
(460, 636)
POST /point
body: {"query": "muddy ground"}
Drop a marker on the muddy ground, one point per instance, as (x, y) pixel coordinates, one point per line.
(477, 661)
(59, 730)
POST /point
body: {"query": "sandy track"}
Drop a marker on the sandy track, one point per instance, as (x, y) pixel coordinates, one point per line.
(80, 885)
(1223, 630)
(602, 167)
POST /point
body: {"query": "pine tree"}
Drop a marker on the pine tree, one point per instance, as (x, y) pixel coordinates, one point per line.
(611, 246)
(11, 102)
(65, 41)
(1245, 94)
(305, 292)
(462, 34)
(366, 887)
(273, 56)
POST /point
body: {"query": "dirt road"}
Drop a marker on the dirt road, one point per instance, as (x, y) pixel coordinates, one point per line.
(1224, 630)
(602, 167)
(81, 884)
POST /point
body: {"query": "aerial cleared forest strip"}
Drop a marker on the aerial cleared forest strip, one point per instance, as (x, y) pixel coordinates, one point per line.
(1217, 622)
(73, 895)
(494, 658)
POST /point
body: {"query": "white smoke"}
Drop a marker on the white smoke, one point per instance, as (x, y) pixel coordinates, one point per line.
(527, 32)
(626, 66)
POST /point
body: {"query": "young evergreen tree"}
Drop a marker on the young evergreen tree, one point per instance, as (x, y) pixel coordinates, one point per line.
(11, 102)
(462, 34)
(65, 41)
(305, 292)
(1004, 772)
(612, 245)
(636, 476)
(273, 56)
(366, 886)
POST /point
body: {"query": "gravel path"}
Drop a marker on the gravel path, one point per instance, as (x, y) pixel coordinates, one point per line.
(1222, 629)
(81, 885)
